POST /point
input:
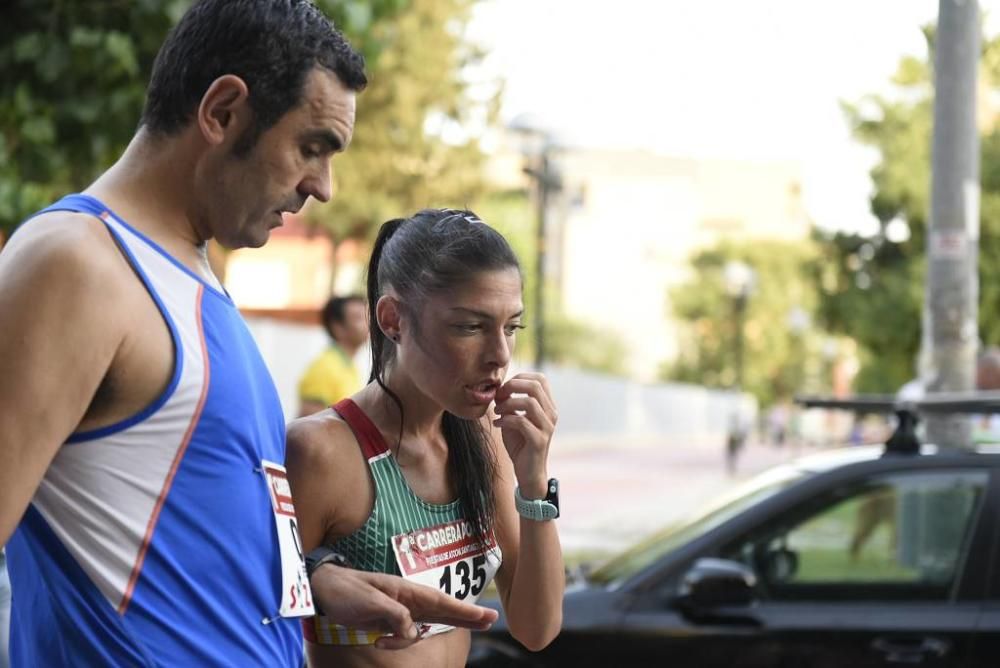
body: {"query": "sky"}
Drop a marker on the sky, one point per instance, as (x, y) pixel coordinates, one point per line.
(755, 80)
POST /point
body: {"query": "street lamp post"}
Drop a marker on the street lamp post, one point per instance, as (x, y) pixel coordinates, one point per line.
(536, 148)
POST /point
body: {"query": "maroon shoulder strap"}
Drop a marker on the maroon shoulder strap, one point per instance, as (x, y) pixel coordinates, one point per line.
(369, 437)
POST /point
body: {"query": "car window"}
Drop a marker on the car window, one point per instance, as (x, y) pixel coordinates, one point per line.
(902, 537)
(723, 508)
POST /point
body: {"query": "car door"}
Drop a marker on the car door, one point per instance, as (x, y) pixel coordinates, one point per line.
(987, 642)
(863, 574)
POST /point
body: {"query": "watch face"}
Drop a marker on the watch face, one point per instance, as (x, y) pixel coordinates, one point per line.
(553, 495)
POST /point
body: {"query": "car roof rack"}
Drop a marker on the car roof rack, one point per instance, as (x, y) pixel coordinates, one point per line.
(903, 439)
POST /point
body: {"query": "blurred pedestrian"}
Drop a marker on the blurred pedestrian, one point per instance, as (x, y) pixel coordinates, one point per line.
(777, 424)
(334, 374)
(986, 428)
(737, 432)
(143, 492)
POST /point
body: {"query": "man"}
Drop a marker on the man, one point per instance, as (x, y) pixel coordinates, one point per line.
(333, 375)
(142, 499)
(986, 428)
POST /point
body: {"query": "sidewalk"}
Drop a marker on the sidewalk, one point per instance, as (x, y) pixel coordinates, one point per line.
(611, 498)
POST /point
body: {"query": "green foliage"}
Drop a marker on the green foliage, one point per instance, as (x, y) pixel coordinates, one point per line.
(409, 149)
(872, 289)
(876, 301)
(574, 343)
(72, 77)
(72, 84)
(777, 361)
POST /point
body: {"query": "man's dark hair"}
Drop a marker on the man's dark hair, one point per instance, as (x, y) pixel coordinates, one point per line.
(271, 44)
(333, 311)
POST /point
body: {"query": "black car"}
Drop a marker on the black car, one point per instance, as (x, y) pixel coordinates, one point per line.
(854, 557)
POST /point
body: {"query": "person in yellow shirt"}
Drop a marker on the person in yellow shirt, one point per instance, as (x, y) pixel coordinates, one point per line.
(333, 375)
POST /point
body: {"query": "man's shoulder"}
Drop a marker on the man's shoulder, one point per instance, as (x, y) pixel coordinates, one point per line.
(63, 248)
(334, 357)
(329, 377)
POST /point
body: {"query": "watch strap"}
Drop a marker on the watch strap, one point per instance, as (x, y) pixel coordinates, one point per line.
(324, 555)
(539, 510)
(316, 558)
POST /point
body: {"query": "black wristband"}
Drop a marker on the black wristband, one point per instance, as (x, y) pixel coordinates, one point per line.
(316, 558)
(324, 555)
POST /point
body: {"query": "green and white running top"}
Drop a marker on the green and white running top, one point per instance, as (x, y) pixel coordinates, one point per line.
(429, 543)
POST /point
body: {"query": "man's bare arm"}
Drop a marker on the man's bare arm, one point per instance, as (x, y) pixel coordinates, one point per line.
(58, 339)
(388, 603)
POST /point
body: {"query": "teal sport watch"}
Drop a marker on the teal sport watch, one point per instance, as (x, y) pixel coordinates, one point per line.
(539, 510)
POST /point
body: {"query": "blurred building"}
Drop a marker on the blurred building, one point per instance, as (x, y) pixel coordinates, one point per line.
(291, 276)
(626, 223)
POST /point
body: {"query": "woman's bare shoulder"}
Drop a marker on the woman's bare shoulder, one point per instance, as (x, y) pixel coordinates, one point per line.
(320, 442)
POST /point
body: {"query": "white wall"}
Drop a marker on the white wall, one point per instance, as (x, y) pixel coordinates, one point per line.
(594, 408)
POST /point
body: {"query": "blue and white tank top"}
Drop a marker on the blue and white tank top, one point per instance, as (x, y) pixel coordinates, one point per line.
(151, 542)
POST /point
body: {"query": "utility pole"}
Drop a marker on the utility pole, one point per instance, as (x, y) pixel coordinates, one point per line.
(950, 327)
(537, 147)
(548, 181)
(543, 177)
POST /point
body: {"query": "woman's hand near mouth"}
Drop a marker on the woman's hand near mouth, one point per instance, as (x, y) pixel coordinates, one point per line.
(527, 419)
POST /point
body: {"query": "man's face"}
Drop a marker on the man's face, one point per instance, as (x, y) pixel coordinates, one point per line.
(289, 163)
(353, 331)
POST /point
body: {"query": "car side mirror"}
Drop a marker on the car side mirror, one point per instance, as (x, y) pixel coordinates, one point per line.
(715, 583)
(780, 565)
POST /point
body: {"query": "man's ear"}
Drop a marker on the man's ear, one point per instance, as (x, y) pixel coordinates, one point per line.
(387, 313)
(224, 110)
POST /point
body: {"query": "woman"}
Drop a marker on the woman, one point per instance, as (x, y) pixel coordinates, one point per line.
(417, 473)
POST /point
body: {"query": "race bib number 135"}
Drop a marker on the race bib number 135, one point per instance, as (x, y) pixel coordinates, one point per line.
(449, 558)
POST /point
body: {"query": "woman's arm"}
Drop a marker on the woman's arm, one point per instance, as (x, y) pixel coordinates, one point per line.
(531, 579)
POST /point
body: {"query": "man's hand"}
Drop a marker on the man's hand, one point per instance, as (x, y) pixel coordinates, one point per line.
(390, 604)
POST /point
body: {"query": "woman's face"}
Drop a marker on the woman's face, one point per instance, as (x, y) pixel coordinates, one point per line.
(459, 351)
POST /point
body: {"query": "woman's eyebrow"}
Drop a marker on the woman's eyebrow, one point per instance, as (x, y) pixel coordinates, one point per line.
(482, 314)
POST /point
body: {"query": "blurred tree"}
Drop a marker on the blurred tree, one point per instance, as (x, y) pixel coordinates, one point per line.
(569, 341)
(416, 140)
(72, 85)
(778, 338)
(872, 288)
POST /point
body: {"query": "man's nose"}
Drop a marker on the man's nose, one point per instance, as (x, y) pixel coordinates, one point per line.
(318, 184)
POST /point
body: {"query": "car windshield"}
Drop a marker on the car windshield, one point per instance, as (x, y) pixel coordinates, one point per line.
(724, 507)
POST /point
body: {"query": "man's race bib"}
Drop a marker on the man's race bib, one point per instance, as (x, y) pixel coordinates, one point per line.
(447, 557)
(296, 596)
